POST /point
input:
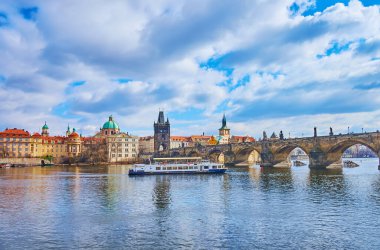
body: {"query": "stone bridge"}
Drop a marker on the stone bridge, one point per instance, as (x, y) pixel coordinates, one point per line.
(322, 151)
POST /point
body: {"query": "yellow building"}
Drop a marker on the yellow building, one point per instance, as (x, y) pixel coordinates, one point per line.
(18, 143)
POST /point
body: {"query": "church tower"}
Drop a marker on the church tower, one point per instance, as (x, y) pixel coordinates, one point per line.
(161, 135)
(68, 132)
(224, 132)
(45, 130)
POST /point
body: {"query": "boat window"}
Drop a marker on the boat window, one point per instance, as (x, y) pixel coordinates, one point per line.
(190, 167)
(163, 168)
(185, 167)
(169, 168)
(219, 167)
(174, 168)
(158, 168)
(214, 167)
(205, 167)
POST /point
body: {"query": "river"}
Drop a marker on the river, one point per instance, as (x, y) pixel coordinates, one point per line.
(246, 208)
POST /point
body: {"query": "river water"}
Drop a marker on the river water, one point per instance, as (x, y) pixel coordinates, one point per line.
(246, 208)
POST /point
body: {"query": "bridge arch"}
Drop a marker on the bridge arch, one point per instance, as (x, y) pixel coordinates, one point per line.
(335, 153)
(193, 154)
(283, 154)
(175, 154)
(248, 156)
(216, 155)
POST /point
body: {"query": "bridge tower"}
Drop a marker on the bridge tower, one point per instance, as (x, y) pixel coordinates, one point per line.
(161, 136)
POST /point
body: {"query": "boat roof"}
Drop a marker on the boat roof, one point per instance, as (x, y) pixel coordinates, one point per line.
(177, 158)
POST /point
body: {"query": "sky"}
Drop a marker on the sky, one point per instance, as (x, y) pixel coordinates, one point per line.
(268, 65)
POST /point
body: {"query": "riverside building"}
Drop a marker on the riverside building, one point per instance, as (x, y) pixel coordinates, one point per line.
(120, 146)
(19, 143)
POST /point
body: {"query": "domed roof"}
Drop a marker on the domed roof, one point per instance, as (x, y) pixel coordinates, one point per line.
(45, 126)
(110, 124)
(74, 135)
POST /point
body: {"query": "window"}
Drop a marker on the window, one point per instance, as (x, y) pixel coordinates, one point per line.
(214, 167)
(205, 167)
(169, 168)
(158, 168)
(174, 168)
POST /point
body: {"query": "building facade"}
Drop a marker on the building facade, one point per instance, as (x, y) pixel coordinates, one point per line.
(120, 146)
(146, 145)
(21, 144)
(179, 141)
(108, 145)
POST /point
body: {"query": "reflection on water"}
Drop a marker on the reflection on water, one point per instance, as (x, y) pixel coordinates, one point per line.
(101, 207)
(161, 192)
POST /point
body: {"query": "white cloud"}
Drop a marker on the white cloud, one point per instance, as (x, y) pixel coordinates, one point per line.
(159, 46)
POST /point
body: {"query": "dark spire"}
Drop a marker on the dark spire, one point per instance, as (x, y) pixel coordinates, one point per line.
(315, 131)
(224, 121)
(161, 118)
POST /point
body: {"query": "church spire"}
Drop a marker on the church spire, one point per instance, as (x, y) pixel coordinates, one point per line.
(224, 122)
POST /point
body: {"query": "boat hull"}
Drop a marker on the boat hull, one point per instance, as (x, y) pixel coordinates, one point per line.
(210, 171)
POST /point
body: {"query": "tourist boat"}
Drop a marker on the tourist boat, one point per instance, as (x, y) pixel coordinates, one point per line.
(180, 165)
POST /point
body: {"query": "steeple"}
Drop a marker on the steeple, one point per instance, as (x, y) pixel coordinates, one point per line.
(161, 118)
(68, 132)
(224, 122)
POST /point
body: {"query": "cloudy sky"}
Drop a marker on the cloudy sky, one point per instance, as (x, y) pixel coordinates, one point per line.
(268, 64)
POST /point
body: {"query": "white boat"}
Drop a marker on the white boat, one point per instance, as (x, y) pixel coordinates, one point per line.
(179, 165)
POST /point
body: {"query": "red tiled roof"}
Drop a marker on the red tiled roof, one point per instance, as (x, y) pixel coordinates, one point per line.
(74, 135)
(179, 138)
(14, 133)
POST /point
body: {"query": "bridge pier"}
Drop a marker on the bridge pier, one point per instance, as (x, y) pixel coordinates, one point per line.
(318, 159)
(267, 158)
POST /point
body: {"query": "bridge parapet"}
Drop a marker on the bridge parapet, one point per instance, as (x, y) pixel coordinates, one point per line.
(322, 150)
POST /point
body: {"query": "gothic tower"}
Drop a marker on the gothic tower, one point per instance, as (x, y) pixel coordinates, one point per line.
(161, 135)
(224, 132)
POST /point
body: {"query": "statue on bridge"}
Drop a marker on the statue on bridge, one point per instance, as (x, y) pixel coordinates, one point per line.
(265, 137)
(331, 132)
(281, 135)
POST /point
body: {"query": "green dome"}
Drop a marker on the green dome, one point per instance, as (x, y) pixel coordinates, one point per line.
(110, 124)
(45, 126)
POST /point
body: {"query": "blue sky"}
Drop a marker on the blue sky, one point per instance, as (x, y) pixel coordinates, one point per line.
(269, 65)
